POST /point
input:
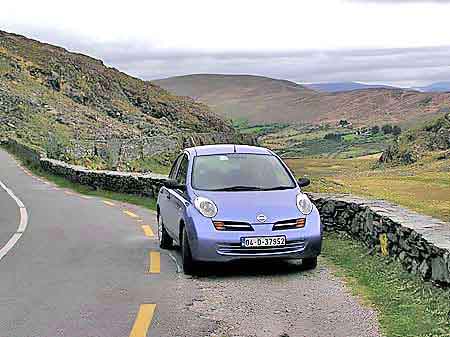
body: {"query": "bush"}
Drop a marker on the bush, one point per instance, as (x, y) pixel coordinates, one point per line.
(396, 130)
(387, 129)
(374, 129)
(333, 136)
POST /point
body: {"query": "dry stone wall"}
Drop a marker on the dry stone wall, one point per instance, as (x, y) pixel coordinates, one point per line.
(124, 150)
(421, 243)
(124, 182)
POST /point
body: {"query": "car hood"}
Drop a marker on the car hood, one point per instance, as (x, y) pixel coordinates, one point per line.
(247, 205)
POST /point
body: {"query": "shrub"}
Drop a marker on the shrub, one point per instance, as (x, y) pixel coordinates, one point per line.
(333, 136)
(387, 129)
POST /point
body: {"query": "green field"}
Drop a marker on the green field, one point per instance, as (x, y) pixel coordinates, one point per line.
(423, 186)
(311, 141)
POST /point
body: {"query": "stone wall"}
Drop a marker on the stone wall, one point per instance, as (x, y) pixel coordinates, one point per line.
(421, 243)
(131, 183)
(123, 150)
(32, 155)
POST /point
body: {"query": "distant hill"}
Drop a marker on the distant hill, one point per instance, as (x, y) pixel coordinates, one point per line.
(253, 97)
(262, 100)
(344, 86)
(436, 87)
(44, 88)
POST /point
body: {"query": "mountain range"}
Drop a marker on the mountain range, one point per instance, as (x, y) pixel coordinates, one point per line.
(266, 100)
(345, 86)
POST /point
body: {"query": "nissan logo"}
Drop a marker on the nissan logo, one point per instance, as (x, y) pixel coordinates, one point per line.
(261, 218)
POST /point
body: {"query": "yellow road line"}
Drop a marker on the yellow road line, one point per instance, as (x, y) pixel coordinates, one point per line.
(85, 197)
(148, 231)
(143, 320)
(131, 214)
(155, 263)
(109, 203)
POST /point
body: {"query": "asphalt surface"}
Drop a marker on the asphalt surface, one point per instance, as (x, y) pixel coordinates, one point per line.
(87, 268)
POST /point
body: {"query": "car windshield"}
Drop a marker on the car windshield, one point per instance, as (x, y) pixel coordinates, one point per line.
(240, 172)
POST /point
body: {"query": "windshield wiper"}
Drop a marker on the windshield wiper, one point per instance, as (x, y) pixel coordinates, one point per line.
(240, 188)
(277, 188)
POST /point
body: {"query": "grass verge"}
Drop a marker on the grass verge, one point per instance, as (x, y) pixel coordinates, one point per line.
(406, 305)
(62, 182)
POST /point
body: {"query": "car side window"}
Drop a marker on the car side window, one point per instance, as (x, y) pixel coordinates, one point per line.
(173, 170)
(182, 170)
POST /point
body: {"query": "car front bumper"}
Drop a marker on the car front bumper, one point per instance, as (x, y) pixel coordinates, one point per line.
(210, 245)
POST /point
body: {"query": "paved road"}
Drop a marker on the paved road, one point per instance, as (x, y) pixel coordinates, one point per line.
(87, 268)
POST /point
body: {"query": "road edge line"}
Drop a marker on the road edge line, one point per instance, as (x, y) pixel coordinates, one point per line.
(22, 225)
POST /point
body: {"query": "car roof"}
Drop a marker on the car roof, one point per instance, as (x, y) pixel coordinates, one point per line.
(226, 149)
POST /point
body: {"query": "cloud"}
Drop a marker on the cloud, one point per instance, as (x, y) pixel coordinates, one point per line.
(305, 41)
(402, 66)
(397, 2)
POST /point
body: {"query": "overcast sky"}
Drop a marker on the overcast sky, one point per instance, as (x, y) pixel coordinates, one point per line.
(400, 42)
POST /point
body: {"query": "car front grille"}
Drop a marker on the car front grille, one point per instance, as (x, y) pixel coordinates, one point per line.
(235, 249)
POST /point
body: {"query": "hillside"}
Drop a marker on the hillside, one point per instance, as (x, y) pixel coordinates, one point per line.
(416, 143)
(344, 86)
(44, 88)
(266, 100)
(233, 96)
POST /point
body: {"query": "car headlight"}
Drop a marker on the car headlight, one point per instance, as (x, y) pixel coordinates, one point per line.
(206, 207)
(304, 204)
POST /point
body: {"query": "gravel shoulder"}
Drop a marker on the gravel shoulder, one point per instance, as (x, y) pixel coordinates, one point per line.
(278, 299)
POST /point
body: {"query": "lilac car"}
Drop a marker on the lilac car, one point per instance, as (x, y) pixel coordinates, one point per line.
(228, 202)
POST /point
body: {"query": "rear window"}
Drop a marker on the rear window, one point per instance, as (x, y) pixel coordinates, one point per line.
(239, 171)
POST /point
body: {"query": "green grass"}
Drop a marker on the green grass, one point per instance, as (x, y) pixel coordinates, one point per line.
(423, 186)
(62, 182)
(309, 141)
(406, 305)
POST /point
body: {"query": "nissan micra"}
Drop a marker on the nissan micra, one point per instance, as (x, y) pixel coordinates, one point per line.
(228, 202)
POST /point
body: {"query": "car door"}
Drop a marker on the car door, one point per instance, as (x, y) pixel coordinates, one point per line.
(175, 199)
(165, 206)
(179, 197)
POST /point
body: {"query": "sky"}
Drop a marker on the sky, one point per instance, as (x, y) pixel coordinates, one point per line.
(397, 42)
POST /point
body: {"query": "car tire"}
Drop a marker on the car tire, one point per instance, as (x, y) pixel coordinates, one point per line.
(309, 263)
(165, 241)
(189, 264)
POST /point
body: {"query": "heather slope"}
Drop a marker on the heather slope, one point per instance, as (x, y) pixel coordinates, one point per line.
(265, 100)
(44, 88)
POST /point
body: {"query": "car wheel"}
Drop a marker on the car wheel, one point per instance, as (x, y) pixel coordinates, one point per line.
(165, 241)
(309, 263)
(188, 262)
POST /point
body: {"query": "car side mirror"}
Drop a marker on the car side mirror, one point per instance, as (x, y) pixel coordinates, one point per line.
(303, 182)
(174, 185)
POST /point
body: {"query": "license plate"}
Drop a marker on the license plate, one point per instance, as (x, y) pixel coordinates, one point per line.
(264, 241)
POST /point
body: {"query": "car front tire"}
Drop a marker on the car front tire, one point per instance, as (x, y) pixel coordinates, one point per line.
(189, 265)
(165, 241)
(309, 263)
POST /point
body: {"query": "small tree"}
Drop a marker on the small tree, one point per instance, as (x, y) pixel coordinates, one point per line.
(387, 129)
(396, 130)
(374, 129)
(343, 123)
(336, 137)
